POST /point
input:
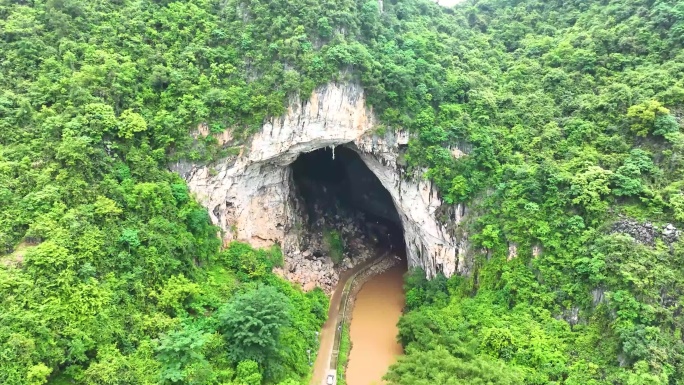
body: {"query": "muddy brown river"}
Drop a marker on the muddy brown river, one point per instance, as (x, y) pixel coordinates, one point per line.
(373, 327)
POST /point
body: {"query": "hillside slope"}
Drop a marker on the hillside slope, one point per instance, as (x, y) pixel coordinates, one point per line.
(572, 111)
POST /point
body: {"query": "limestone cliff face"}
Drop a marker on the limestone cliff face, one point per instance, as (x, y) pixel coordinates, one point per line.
(250, 197)
(429, 243)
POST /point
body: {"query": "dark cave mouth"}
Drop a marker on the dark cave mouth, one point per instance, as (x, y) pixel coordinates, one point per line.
(335, 186)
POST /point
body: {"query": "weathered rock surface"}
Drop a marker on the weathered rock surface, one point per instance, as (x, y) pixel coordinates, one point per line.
(251, 197)
(646, 233)
(430, 244)
(512, 251)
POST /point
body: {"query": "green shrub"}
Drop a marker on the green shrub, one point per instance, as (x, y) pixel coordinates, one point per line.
(334, 245)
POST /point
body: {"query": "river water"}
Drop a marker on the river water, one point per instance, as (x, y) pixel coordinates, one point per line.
(373, 329)
(327, 340)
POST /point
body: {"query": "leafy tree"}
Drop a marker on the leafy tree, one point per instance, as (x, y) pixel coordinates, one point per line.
(439, 367)
(252, 324)
(38, 374)
(180, 354)
(498, 343)
(647, 115)
(248, 373)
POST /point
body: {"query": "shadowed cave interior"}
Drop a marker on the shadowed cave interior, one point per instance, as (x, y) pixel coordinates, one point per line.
(342, 194)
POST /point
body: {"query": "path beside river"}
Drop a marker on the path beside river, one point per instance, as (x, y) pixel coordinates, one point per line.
(327, 337)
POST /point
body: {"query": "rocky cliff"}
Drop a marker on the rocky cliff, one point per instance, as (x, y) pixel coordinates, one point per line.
(251, 196)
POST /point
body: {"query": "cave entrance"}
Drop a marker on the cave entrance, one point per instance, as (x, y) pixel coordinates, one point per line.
(340, 193)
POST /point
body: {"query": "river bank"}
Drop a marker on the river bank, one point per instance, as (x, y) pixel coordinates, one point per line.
(342, 303)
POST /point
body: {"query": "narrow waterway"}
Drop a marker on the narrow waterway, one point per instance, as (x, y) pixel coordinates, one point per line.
(373, 327)
(327, 337)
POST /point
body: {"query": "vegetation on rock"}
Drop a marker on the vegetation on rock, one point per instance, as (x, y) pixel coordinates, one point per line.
(570, 111)
(335, 245)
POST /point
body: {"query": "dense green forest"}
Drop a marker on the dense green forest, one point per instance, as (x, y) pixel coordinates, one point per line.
(570, 111)
(574, 112)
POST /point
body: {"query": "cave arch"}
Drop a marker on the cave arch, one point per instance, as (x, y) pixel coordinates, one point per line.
(248, 194)
(334, 184)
